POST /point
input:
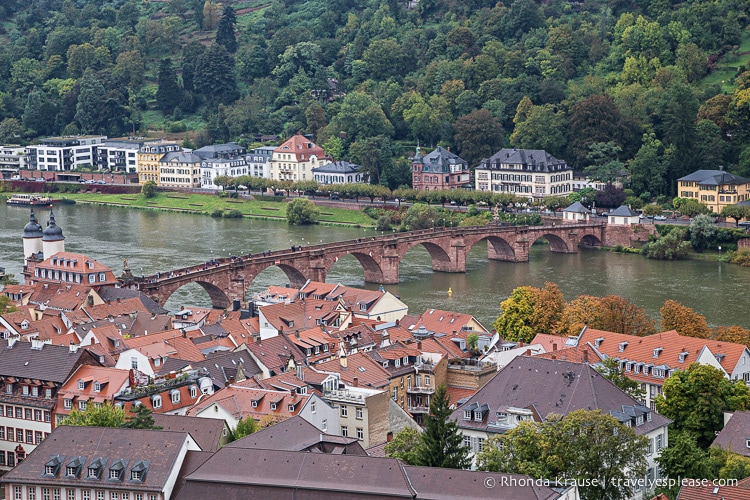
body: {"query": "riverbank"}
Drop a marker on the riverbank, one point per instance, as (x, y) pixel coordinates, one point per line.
(217, 206)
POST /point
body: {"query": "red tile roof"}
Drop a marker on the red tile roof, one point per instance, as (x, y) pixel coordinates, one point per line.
(301, 147)
(359, 365)
(238, 401)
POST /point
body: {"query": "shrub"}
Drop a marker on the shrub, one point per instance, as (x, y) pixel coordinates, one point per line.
(741, 257)
(673, 246)
(301, 212)
(232, 214)
(384, 223)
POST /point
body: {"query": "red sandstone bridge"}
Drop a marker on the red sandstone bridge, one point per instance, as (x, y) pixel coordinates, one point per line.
(227, 279)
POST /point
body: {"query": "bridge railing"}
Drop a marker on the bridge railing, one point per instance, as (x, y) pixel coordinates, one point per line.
(271, 257)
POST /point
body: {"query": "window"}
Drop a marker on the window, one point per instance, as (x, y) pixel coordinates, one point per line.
(38, 415)
(477, 416)
(254, 403)
(19, 412)
(324, 425)
(359, 413)
(273, 405)
(480, 444)
(312, 406)
(31, 492)
(86, 495)
(175, 396)
(344, 411)
(467, 441)
(92, 473)
(71, 494)
(360, 433)
(344, 431)
(395, 393)
(193, 391)
(48, 393)
(134, 362)
(17, 493)
(97, 387)
(81, 385)
(28, 414)
(467, 414)
(45, 494)
(659, 442)
(25, 390)
(82, 405)
(156, 401)
(427, 381)
(114, 473)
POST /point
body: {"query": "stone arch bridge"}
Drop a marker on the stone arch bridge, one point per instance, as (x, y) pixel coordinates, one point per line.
(227, 279)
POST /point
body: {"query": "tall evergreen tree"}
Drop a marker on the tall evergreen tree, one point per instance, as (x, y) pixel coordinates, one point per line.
(168, 94)
(214, 77)
(442, 443)
(140, 418)
(225, 32)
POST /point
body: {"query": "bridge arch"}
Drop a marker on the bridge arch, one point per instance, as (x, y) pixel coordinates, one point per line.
(590, 240)
(556, 243)
(294, 275)
(373, 272)
(498, 248)
(219, 299)
(441, 260)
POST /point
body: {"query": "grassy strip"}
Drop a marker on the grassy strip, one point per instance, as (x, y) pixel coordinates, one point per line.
(206, 204)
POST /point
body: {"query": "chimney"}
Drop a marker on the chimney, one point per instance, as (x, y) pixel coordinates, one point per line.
(520, 344)
(585, 355)
(389, 437)
(554, 346)
(419, 345)
(528, 352)
(355, 382)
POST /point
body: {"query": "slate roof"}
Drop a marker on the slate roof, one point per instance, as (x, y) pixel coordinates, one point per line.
(713, 178)
(533, 160)
(231, 469)
(735, 434)
(180, 157)
(440, 160)
(435, 483)
(274, 352)
(160, 448)
(577, 208)
(111, 293)
(296, 434)
(551, 386)
(207, 432)
(623, 211)
(337, 167)
(50, 363)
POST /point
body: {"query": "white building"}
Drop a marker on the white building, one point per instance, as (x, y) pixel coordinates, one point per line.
(259, 161)
(65, 153)
(217, 167)
(295, 159)
(121, 154)
(528, 173)
(339, 172)
(12, 157)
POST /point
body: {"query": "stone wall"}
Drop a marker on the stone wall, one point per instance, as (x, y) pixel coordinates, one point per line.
(627, 235)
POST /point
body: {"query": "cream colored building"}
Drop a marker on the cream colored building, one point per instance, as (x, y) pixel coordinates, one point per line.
(178, 169)
(295, 159)
(526, 173)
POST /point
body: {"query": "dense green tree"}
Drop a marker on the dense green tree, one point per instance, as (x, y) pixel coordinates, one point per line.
(696, 398)
(168, 93)
(405, 446)
(442, 443)
(91, 106)
(420, 216)
(605, 166)
(595, 119)
(225, 32)
(478, 135)
(214, 75)
(646, 169)
(580, 446)
(672, 246)
(702, 231)
(105, 415)
(736, 212)
(542, 127)
(148, 190)
(5, 305)
(245, 427)
(301, 212)
(140, 417)
(11, 131)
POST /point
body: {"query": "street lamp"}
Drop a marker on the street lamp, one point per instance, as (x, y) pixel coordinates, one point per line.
(720, 251)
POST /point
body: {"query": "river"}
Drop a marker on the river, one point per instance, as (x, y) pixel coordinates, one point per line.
(158, 241)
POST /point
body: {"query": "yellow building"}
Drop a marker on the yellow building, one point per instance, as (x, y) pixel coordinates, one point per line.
(148, 160)
(714, 188)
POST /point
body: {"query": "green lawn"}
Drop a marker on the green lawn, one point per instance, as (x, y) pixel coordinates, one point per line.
(725, 70)
(208, 204)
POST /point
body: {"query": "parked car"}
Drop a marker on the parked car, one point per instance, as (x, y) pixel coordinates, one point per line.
(40, 179)
(101, 182)
(660, 217)
(745, 224)
(82, 180)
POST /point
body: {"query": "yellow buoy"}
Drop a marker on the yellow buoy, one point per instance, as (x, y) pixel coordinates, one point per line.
(450, 292)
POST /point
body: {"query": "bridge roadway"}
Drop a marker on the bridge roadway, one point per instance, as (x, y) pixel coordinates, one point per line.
(228, 278)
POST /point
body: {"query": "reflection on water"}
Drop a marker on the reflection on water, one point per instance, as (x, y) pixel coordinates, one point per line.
(157, 241)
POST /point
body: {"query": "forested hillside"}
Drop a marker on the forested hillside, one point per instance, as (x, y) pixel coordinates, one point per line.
(665, 82)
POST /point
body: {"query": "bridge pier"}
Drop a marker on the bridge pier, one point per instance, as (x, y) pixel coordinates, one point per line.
(389, 268)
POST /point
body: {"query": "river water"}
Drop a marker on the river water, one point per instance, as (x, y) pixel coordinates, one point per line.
(157, 241)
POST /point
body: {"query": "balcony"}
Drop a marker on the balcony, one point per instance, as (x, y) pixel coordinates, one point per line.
(419, 410)
(415, 389)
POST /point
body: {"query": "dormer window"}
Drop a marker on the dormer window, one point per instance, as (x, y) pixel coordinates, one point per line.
(657, 351)
(682, 356)
(138, 472)
(291, 408)
(621, 346)
(385, 364)
(116, 471)
(273, 406)
(97, 387)
(598, 341)
(477, 416)
(405, 360)
(53, 465)
(95, 469)
(467, 414)
(397, 362)
(175, 395)
(156, 401)
(254, 403)
(639, 420)
(193, 391)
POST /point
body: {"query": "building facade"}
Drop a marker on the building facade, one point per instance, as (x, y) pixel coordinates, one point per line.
(62, 154)
(527, 173)
(295, 159)
(181, 170)
(714, 188)
(259, 161)
(216, 167)
(338, 172)
(148, 160)
(12, 158)
(121, 154)
(439, 169)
